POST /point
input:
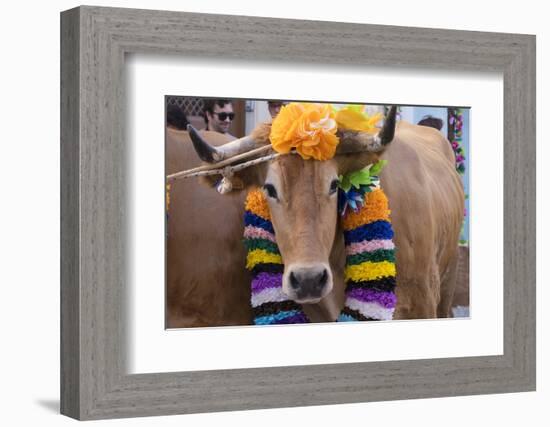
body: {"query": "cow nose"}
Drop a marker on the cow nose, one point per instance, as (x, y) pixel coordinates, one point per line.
(308, 282)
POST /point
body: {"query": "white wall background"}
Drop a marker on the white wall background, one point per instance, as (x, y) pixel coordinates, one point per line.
(29, 213)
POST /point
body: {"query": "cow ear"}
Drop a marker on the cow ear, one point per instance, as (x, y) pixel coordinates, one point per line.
(249, 177)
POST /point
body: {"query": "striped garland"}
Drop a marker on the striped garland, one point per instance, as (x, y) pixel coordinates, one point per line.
(270, 305)
(370, 261)
(369, 272)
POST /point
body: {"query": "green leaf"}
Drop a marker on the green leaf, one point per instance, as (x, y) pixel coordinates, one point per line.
(345, 183)
(377, 167)
(361, 177)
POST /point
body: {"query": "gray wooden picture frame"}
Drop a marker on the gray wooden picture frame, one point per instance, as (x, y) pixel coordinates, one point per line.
(94, 41)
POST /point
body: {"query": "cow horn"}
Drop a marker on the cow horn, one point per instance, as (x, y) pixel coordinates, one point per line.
(387, 132)
(210, 154)
(354, 141)
(205, 151)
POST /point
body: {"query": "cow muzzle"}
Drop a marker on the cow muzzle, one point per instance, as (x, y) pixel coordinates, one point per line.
(307, 283)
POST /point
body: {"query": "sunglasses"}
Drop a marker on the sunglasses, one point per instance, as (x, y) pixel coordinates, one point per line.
(223, 116)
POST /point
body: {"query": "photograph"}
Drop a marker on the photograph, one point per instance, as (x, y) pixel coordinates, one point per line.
(289, 212)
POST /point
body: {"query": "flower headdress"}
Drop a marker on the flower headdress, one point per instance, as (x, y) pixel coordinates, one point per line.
(311, 129)
(308, 128)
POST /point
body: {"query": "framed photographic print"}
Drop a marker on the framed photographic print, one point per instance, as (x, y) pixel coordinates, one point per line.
(294, 213)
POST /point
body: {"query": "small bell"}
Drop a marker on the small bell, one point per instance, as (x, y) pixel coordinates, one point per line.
(224, 186)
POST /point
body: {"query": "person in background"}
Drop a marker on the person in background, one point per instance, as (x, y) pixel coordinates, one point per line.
(175, 117)
(274, 107)
(218, 114)
(431, 122)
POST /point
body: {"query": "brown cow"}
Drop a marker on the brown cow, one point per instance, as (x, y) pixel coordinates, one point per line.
(204, 285)
(426, 197)
(207, 284)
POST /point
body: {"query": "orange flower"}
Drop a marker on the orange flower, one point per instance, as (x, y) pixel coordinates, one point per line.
(309, 128)
(375, 209)
(257, 204)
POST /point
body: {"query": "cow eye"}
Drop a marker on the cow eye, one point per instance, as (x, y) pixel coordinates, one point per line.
(333, 186)
(270, 190)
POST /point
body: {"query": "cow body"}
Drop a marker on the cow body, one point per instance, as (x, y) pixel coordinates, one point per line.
(207, 284)
(426, 199)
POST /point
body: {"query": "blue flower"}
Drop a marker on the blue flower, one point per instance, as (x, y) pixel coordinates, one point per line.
(354, 198)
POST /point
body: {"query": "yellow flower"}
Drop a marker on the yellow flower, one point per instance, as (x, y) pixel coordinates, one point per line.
(354, 118)
(261, 256)
(369, 270)
(307, 127)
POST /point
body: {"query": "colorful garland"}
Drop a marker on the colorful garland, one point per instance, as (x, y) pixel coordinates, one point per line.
(270, 305)
(370, 262)
(456, 122)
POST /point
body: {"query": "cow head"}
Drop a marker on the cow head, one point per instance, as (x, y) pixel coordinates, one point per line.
(302, 197)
